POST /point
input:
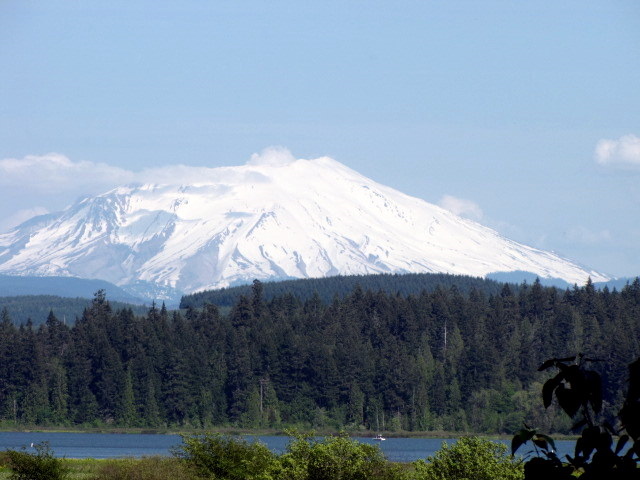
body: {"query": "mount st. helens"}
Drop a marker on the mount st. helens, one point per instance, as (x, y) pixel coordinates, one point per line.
(295, 219)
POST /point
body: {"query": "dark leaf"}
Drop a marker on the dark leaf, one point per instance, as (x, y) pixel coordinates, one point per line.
(520, 438)
(608, 427)
(604, 441)
(622, 441)
(594, 388)
(579, 447)
(630, 418)
(633, 393)
(588, 441)
(540, 442)
(579, 425)
(566, 359)
(568, 400)
(548, 388)
(548, 439)
(636, 447)
(574, 375)
(547, 364)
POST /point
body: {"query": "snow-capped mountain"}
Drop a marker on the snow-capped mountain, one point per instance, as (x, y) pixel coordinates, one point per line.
(294, 219)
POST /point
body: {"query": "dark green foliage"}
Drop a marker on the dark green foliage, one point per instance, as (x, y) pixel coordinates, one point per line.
(341, 286)
(41, 465)
(578, 392)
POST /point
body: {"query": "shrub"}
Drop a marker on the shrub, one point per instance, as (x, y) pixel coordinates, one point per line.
(39, 466)
(228, 458)
(336, 458)
(470, 458)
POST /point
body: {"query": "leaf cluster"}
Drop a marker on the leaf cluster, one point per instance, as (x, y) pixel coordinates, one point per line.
(578, 391)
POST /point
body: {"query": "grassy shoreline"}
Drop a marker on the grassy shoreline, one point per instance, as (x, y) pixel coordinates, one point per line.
(264, 432)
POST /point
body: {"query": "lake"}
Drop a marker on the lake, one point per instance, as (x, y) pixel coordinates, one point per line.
(113, 445)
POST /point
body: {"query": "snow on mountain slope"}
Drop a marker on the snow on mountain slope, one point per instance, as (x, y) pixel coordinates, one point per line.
(299, 218)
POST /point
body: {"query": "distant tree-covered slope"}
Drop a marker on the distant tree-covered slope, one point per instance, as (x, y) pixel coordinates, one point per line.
(519, 276)
(37, 307)
(328, 288)
(71, 287)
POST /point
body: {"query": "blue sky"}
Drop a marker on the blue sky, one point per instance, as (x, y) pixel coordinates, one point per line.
(522, 115)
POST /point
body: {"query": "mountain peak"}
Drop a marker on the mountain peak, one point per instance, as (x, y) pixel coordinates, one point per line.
(274, 217)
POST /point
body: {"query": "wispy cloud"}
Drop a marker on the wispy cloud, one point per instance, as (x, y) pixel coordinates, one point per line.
(623, 152)
(462, 207)
(55, 180)
(583, 235)
(272, 156)
(21, 216)
(54, 173)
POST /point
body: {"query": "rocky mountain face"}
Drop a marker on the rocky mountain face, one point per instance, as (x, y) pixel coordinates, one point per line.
(297, 219)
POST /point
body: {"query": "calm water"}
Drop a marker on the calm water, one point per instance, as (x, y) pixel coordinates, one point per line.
(111, 445)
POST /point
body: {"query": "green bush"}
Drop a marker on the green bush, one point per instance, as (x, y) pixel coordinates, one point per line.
(470, 458)
(336, 458)
(228, 458)
(39, 466)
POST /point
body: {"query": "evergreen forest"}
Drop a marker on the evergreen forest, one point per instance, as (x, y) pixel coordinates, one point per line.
(35, 308)
(342, 285)
(440, 360)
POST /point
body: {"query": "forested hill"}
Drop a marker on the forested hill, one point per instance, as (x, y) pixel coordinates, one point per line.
(432, 361)
(68, 287)
(36, 308)
(329, 287)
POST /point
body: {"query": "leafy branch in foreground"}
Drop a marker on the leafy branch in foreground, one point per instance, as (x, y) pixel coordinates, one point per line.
(578, 392)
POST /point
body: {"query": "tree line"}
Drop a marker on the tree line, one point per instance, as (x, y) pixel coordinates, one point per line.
(22, 308)
(439, 360)
(342, 285)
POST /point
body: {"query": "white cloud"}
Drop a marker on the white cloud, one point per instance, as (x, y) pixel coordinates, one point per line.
(21, 216)
(583, 235)
(461, 207)
(188, 175)
(272, 156)
(54, 173)
(623, 152)
(56, 181)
